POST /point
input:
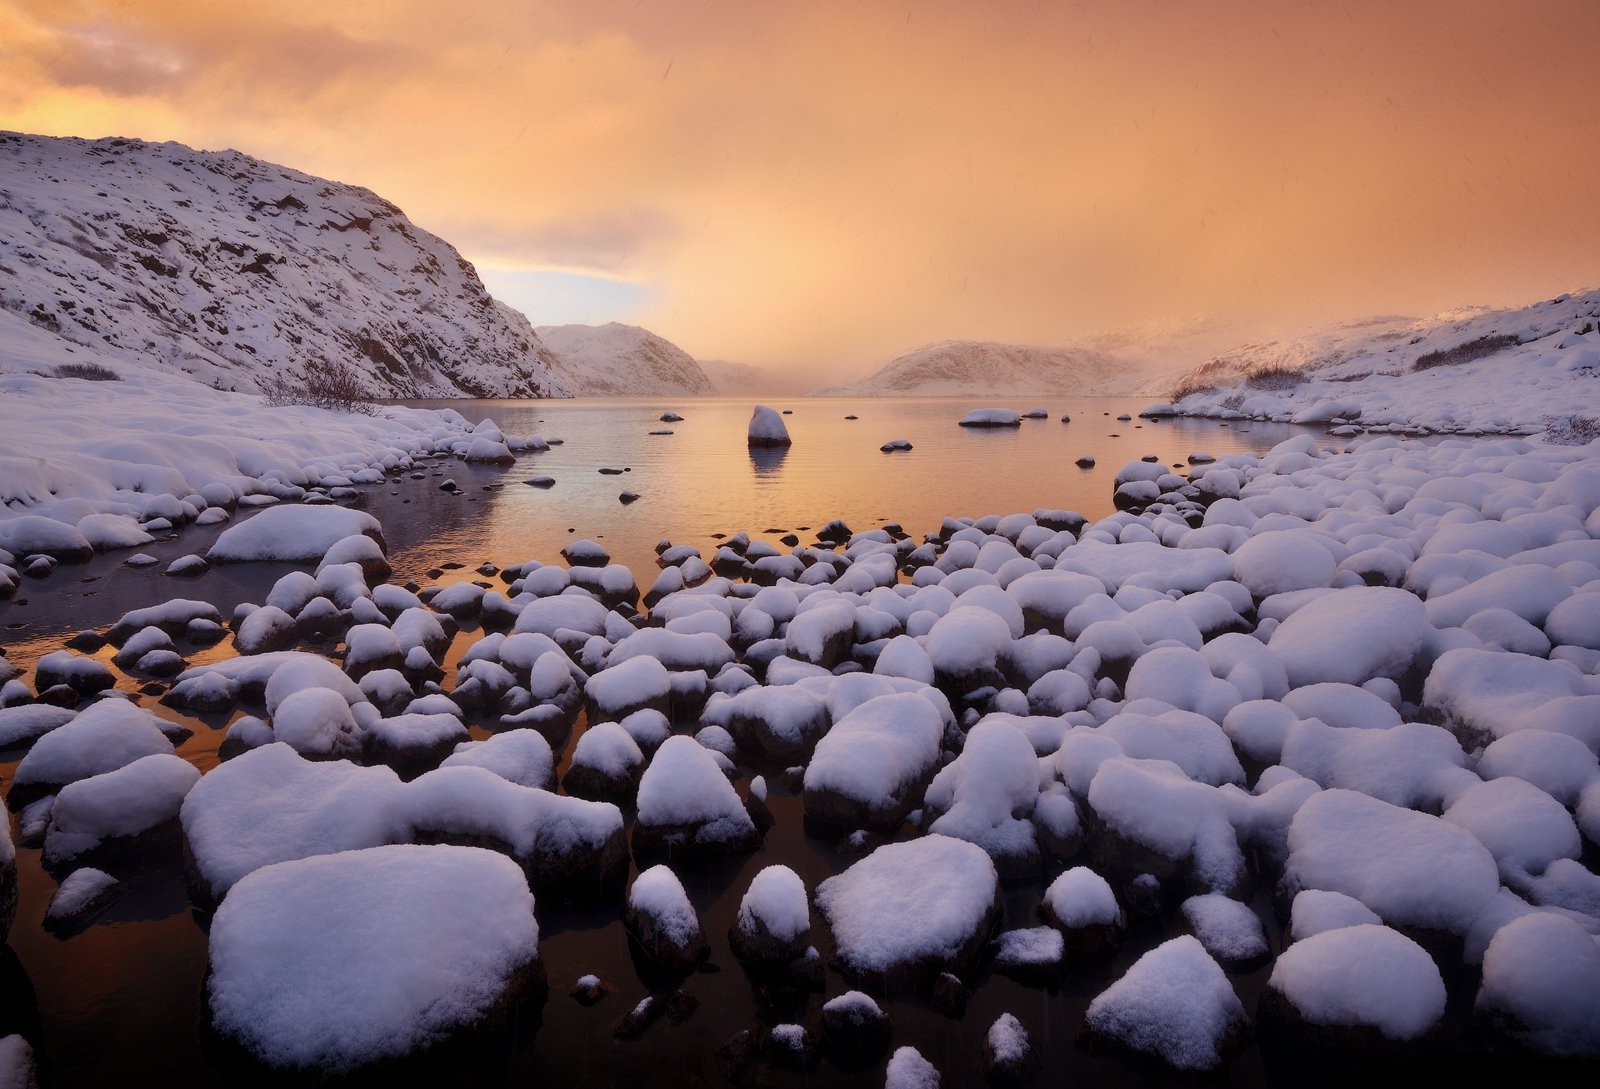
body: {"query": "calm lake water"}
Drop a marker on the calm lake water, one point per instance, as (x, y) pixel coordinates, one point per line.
(121, 1003)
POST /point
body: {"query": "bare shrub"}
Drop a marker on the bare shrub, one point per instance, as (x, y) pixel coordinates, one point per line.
(1573, 430)
(1465, 353)
(323, 385)
(89, 372)
(1276, 377)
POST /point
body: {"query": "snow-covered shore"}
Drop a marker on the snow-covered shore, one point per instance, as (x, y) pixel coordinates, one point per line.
(1365, 681)
(97, 459)
(1530, 370)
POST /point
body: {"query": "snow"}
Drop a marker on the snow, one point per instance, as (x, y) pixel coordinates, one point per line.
(1362, 974)
(328, 963)
(1228, 929)
(909, 1070)
(767, 428)
(1173, 1003)
(1152, 803)
(132, 799)
(1411, 868)
(1523, 827)
(317, 722)
(25, 724)
(78, 891)
(1030, 950)
(1317, 910)
(683, 785)
(270, 805)
(607, 748)
(981, 795)
(1080, 897)
(1351, 636)
(1484, 695)
(991, 417)
(777, 900)
(658, 894)
(613, 360)
(1542, 973)
(1278, 562)
(107, 736)
(1193, 742)
(522, 757)
(1557, 764)
(922, 901)
(291, 534)
(877, 752)
(1412, 764)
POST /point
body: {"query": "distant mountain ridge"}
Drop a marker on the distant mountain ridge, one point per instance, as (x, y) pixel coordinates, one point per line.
(982, 368)
(238, 271)
(617, 360)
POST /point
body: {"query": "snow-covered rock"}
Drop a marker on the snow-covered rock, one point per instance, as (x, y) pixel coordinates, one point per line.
(663, 922)
(1175, 1004)
(323, 965)
(913, 908)
(767, 428)
(1360, 976)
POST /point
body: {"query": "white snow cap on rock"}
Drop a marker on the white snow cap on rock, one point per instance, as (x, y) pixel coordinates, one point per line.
(296, 534)
(1174, 1003)
(767, 428)
(333, 962)
(1362, 975)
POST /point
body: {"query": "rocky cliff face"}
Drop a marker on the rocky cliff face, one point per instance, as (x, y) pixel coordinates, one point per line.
(237, 272)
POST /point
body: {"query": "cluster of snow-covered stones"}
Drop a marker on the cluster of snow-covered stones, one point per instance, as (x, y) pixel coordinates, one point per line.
(1361, 682)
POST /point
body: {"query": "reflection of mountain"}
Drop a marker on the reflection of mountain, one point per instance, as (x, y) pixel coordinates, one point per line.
(767, 460)
(616, 360)
(984, 368)
(240, 273)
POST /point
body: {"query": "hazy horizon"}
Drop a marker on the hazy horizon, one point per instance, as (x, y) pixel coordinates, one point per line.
(818, 190)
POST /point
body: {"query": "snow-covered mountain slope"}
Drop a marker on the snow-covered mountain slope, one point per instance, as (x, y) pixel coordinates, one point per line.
(616, 360)
(745, 380)
(236, 271)
(958, 367)
(1510, 370)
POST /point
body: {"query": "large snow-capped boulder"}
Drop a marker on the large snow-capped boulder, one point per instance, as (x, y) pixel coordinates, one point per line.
(872, 768)
(298, 534)
(1352, 635)
(767, 428)
(1175, 1004)
(1332, 985)
(687, 806)
(324, 965)
(912, 909)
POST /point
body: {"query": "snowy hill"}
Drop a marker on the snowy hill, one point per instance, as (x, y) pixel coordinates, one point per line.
(745, 380)
(235, 271)
(616, 360)
(958, 367)
(1478, 369)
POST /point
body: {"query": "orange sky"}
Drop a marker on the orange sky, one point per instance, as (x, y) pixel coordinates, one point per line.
(825, 184)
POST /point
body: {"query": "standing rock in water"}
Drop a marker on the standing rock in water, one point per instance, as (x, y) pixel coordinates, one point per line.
(767, 428)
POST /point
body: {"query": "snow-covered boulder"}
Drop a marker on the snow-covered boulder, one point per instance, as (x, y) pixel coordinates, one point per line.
(912, 909)
(991, 417)
(1541, 986)
(1081, 904)
(1352, 635)
(1354, 987)
(606, 764)
(873, 767)
(522, 757)
(1227, 928)
(987, 795)
(107, 736)
(123, 818)
(781, 723)
(297, 534)
(324, 965)
(1411, 868)
(413, 743)
(687, 807)
(855, 1029)
(767, 428)
(1175, 1004)
(663, 923)
(773, 925)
